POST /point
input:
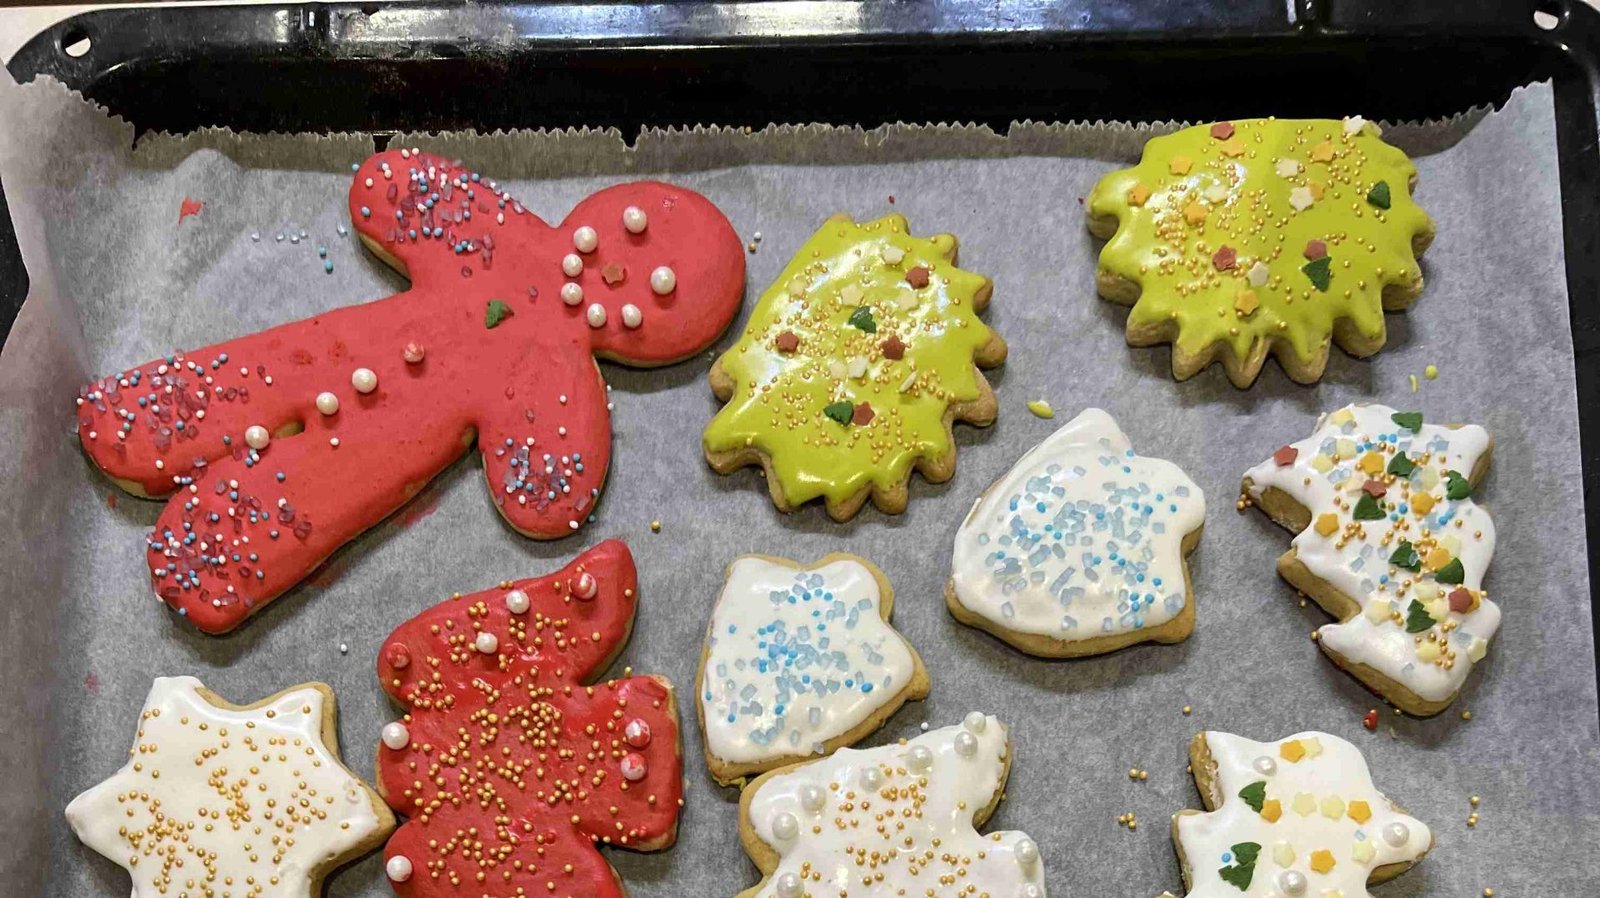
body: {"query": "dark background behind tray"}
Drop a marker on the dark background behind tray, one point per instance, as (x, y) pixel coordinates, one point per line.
(435, 66)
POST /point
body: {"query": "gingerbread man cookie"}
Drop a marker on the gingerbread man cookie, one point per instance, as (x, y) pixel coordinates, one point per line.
(853, 368)
(511, 770)
(1390, 541)
(821, 830)
(1239, 239)
(800, 661)
(280, 447)
(1298, 817)
(1080, 548)
(225, 799)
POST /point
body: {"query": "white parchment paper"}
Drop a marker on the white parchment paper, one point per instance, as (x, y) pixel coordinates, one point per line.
(118, 279)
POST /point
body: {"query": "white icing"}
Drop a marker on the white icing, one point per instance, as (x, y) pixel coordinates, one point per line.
(1324, 783)
(795, 658)
(931, 850)
(1360, 568)
(1081, 539)
(173, 803)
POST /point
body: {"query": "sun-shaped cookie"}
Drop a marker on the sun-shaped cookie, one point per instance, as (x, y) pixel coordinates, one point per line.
(1239, 239)
(853, 367)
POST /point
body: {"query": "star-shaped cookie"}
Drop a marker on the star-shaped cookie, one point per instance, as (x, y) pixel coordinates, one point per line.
(1390, 541)
(898, 820)
(1237, 240)
(1079, 548)
(221, 799)
(1298, 817)
(800, 661)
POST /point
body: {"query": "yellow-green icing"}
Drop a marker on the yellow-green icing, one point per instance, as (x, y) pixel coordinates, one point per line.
(779, 398)
(1241, 192)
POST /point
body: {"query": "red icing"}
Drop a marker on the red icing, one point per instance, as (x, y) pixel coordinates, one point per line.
(537, 785)
(500, 384)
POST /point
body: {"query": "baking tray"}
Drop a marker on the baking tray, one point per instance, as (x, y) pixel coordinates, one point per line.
(434, 66)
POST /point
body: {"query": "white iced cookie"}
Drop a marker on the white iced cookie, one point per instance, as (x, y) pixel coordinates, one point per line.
(215, 793)
(899, 820)
(799, 661)
(1391, 543)
(1079, 548)
(1299, 817)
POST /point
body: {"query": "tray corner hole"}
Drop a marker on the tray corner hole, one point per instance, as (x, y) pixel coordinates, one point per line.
(1548, 15)
(75, 42)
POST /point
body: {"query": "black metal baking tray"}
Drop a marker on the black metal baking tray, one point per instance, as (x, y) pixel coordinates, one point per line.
(382, 68)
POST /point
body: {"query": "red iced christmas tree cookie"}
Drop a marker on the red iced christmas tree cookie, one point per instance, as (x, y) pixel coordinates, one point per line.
(511, 771)
(277, 448)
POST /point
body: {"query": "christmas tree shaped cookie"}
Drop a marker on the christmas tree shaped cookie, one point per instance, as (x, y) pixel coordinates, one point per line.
(899, 820)
(217, 795)
(1241, 239)
(1390, 541)
(1079, 548)
(800, 661)
(1300, 817)
(854, 366)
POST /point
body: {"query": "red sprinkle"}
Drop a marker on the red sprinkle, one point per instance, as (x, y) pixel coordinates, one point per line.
(1222, 130)
(863, 415)
(189, 207)
(1316, 249)
(1371, 720)
(1460, 600)
(1375, 488)
(1285, 456)
(613, 274)
(1225, 258)
(917, 277)
(788, 342)
(893, 349)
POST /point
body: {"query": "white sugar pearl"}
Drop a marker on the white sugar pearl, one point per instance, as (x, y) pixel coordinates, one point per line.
(920, 757)
(788, 886)
(487, 643)
(1292, 882)
(398, 868)
(785, 826)
(327, 403)
(364, 380)
(1027, 852)
(976, 722)
(517, 601)
(966, 744)
(596, 313)
(571, 294)
(812, 798)
(632, 767)
(1265, 766)
(396, 736)
(1397, 834)
(585, 239)
(871, 778)
(572, 265)
(1031, 891)
(631, 316)
(586, 586)
(257, 437)
(634, 219)
(663, 281)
